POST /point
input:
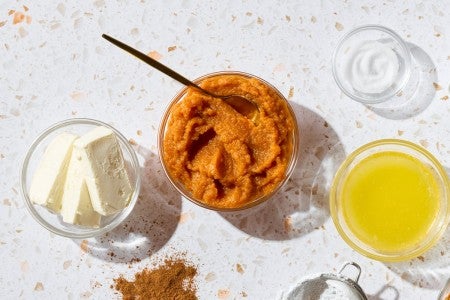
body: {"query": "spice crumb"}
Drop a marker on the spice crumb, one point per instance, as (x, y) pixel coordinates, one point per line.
(223, 294)
(239, 269)
(287, 224)
(18, 17)
(437, 87)
(84, 246)
(291, 92)
(67, 264)
(39, 286)
(445, 98)
(155, 55)
(339, 26)
(172, 48)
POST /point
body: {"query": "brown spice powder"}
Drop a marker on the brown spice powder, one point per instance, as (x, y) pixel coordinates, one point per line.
(172, 280)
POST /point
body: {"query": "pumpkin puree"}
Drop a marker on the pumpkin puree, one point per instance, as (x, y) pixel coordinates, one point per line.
(220, 156)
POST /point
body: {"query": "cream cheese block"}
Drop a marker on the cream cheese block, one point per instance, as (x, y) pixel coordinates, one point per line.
(105, 173)
(76, 205)
(48, 180)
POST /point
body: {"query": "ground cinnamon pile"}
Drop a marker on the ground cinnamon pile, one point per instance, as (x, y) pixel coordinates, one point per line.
(172, 280)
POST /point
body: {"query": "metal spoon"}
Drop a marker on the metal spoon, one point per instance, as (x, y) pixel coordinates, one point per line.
(244, 106)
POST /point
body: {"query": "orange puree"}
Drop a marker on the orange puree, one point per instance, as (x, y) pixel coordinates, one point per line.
(219, 155)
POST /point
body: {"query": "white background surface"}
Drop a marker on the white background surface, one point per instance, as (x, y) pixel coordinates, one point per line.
(58, 67)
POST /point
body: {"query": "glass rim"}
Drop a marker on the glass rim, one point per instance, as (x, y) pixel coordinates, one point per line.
(437, 228)
(179, 187)
(397, 38)
(88, 233)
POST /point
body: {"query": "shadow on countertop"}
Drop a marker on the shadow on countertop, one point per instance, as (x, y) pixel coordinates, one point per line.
(150, 225)
(418, 93)
(387, 292)
(301, 206)
(430, 270)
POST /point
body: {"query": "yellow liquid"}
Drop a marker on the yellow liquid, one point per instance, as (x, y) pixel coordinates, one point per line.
(389, 201)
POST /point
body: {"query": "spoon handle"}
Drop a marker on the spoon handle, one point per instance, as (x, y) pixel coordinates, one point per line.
(152, 62)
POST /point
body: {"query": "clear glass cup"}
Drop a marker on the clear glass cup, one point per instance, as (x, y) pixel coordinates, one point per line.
(179, 185)
(435, 230)
(53, 222)
(343, 56)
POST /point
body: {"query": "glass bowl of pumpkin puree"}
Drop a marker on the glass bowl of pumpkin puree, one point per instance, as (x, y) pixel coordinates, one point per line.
(390, 200)
(218, 158)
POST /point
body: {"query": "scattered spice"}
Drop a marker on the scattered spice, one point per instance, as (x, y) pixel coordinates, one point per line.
(172, 48)
(18, 17)
(291, 92)
(132, 142)
(172, 280)
(437, 87)
(67, 264)
(239, 269)
(39, 286)
(339, 26)
(84, 246)
(155, 55)
(223, 294)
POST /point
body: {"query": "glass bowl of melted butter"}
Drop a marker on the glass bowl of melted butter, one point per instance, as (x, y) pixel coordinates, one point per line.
(390, 200)
(80, 178)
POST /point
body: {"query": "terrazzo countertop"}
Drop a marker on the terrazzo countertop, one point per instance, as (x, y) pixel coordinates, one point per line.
(54, 65)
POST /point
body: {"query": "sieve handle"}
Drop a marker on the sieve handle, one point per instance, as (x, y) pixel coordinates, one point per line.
(354, 265)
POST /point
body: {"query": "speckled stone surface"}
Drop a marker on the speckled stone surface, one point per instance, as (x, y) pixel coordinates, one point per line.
(54, 65)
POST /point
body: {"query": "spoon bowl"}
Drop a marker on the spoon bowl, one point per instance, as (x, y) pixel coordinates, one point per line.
(242, 105)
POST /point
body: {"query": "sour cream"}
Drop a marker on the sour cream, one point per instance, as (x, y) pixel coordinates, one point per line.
(372, 67)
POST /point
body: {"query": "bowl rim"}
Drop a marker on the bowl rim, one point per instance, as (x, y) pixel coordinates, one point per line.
(339, 176)
(289, 170)
(88, 233)
(397, 38)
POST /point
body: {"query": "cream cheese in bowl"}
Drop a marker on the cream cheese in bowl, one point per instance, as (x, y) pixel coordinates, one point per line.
(372, 67)
(371, 64)
(80, 178)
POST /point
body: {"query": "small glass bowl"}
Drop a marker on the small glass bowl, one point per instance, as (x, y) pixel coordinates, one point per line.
(436, 229)
(53, 222)
(355, 38)
(179, 185)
